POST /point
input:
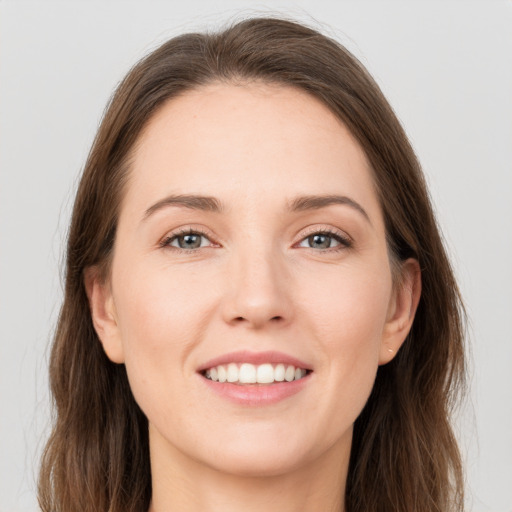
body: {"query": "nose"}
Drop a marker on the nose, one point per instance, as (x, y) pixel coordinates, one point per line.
(259, 292)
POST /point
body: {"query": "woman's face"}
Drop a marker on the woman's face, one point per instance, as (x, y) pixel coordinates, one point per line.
(250, 240)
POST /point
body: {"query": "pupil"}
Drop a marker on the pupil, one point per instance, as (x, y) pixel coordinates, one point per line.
(190, 241)
(321, 241)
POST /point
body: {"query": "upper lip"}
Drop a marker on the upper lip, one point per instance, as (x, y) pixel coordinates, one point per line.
(256, 358)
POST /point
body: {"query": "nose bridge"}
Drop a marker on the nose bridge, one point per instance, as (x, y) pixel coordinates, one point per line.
(259, 285)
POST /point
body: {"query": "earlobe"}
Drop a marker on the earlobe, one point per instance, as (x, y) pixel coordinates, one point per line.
(103, 312)
(402, 310)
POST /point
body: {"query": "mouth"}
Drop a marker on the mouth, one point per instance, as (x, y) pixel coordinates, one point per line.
(256, 379)
(266, 374)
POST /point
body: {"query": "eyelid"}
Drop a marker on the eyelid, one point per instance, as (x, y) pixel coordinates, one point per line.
(324, 228)
(345, 240)
(186, 230)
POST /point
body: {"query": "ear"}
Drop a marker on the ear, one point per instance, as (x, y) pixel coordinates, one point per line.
(402, 308)
(103, 312)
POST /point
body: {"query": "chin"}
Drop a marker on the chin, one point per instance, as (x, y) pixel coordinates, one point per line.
(265, 451)
(259, 463)
(274, 452)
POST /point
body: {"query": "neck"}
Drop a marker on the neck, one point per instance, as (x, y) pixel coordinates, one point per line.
(181, 483)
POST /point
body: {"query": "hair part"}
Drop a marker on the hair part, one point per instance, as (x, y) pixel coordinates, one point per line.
(404, 455)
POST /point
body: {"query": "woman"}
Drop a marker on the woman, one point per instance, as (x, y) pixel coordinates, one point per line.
(259, 310)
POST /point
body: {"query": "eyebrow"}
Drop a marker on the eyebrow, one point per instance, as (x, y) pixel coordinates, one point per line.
(304, 203)
(193, 202)
(212, 204)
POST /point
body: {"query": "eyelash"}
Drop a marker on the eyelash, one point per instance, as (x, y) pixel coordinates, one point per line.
(344, 241)
(166, 242)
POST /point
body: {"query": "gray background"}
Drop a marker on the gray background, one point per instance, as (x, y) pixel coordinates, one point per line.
(446, 67)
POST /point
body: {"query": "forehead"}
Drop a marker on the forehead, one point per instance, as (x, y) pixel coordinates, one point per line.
(247, 141)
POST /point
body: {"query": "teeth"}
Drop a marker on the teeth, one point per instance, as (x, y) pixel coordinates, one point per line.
(265, 374)
(232, 373)
(247, 373)
(222, 373)
(289, 374)
(279, 372)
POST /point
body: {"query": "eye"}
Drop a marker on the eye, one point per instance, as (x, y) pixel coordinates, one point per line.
(325, 240)
(187, 240)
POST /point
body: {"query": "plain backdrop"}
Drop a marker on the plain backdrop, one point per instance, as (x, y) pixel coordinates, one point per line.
(445, 66)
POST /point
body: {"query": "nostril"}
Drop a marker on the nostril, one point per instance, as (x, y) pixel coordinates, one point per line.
(241, 318)
(258, 319)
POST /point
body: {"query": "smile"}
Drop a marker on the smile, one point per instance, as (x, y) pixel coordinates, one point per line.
(247, 373)
(255, 379)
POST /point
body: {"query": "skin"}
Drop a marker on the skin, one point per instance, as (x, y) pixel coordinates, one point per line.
(256, 283)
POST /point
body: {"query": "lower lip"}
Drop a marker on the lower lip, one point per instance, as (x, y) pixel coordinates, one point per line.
(257, 394)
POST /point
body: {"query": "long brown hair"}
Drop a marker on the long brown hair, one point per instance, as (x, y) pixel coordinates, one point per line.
(404, 456)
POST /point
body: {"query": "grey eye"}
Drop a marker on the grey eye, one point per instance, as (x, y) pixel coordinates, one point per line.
(189, 241)
(320, 241)
(323, 240)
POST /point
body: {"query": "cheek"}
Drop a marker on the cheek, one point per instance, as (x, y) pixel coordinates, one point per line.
(157, 306)
(349, 307)
(162, 316)
(350, 315)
